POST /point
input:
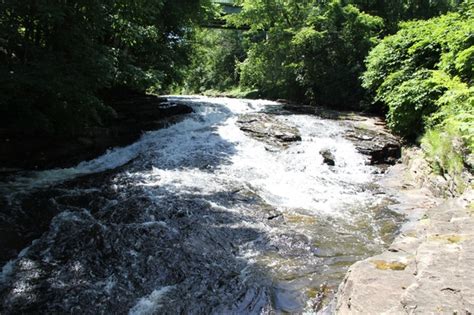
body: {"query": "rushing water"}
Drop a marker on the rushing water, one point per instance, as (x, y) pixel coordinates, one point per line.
(197, 218)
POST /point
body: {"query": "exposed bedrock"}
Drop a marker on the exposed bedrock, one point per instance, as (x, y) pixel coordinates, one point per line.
(268, 129)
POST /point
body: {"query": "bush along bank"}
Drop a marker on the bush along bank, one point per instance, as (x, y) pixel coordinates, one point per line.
(423, 76)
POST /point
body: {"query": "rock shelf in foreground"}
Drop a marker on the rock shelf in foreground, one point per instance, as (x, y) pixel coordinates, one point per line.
(428, 269)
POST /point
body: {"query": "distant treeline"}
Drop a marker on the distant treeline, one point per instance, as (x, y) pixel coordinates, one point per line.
(310, 50)
(410, 59)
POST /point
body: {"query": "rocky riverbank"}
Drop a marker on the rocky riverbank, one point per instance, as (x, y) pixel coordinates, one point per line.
(428, 268)
(135, 114)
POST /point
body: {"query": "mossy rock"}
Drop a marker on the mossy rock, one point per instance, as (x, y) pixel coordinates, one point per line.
(386, 265)
(450, 238)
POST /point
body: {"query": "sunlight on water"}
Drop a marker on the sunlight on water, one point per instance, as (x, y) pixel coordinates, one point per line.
(292, 221)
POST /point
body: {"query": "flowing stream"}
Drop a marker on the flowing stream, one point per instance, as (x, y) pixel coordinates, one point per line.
(197, 218)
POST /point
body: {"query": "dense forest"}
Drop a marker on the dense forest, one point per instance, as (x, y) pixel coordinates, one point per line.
(56, 57)
(409, 59)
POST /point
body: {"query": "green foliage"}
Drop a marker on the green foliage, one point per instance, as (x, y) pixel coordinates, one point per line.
(306, 50)
(464, 63)
(214, 61)
(331, 51)
(314, 50)
(411, 102)
(406, 70)
(269, 67)
(394, 11)
(423, 74)
(55, 56)
(440, 146)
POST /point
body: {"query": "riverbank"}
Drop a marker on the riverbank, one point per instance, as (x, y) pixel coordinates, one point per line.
(136, 113)
(428, 267)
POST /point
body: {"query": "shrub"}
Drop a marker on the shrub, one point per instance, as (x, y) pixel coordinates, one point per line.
(423, 75)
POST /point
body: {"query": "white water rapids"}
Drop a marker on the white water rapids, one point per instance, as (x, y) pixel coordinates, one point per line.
(202, 219)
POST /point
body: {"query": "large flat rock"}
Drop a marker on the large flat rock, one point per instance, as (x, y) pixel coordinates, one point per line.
(428, 269)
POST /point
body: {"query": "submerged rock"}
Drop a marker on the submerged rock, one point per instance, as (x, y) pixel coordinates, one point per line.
(269, 129)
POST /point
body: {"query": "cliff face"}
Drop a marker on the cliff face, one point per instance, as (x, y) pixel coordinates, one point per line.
(429, 266)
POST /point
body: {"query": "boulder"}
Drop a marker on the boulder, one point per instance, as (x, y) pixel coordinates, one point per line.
(328, 157)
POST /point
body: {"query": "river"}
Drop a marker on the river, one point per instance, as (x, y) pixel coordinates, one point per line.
(197, 218)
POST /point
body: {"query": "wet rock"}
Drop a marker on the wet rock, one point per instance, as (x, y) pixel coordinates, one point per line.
(328, 157)
(268, 129)
(367, 133)
(381, 147)
(300, 109)
(425, 269)
(136, 113)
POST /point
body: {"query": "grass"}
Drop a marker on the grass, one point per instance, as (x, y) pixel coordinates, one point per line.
(445, 150)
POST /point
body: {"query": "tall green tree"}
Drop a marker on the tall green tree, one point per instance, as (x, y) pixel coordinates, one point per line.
(216, 53)
(310, 50)
(423, 74)
(55, 56)
(332, 50)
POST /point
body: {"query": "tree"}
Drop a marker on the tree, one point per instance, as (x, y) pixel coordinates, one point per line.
(423, 74)
(57, 55)
(311, 50)
(216, 53)
(332, 50)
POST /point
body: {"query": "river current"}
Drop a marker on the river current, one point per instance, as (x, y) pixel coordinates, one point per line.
(196, 218)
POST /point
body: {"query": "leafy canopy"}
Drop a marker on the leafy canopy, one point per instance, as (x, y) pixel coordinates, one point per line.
(56, 56)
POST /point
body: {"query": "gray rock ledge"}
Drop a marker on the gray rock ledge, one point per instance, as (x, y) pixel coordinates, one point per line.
(429, 268)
